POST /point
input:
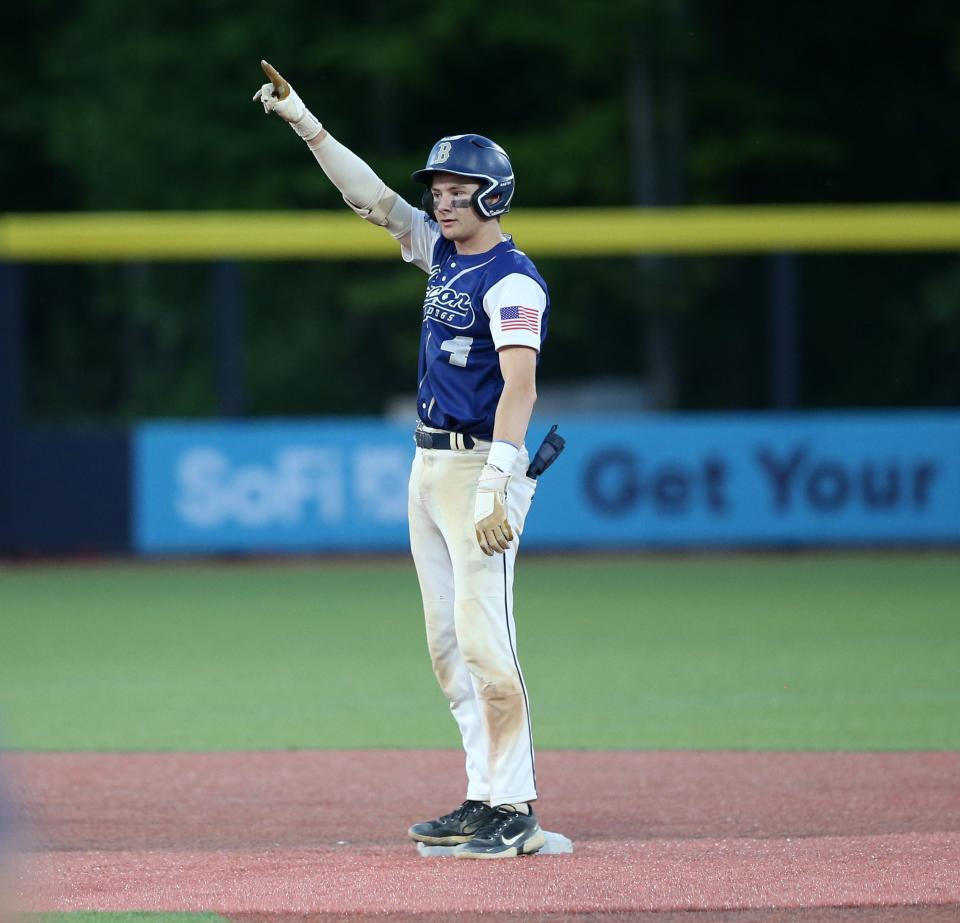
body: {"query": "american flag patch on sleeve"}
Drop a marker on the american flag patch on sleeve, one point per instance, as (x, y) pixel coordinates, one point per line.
(519, 318)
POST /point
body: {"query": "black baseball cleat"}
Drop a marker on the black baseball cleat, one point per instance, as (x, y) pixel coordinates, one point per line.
(505, 835)
(454, 828)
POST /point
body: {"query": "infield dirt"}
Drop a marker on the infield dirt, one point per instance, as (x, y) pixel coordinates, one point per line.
(321, 834)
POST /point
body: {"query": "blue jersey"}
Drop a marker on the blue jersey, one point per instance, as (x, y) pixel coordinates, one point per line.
(475, 304)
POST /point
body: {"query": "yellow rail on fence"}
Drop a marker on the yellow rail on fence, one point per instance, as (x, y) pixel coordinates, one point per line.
(334, 235)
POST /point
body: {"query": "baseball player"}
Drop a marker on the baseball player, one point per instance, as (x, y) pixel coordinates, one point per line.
(484, 320)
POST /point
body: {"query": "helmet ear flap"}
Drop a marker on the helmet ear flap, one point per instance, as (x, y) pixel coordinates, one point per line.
(475, 202)
(426, 202)
(483, 194)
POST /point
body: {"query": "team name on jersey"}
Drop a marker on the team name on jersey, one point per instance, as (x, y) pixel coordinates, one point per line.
(450, 307)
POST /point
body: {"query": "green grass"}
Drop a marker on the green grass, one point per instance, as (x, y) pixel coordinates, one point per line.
(811, 651)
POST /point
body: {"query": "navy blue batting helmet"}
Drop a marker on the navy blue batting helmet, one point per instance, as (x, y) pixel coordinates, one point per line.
(476, 157)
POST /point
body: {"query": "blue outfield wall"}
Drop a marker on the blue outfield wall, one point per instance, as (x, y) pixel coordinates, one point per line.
(624, 481)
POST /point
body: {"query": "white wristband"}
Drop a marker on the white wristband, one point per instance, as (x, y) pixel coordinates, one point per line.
(307, 126)
(503, 455)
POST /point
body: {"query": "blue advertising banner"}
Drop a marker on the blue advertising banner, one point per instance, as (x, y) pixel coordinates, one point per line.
(623, 481)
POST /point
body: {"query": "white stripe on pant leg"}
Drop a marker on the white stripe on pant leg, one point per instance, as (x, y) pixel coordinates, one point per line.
(510, 559)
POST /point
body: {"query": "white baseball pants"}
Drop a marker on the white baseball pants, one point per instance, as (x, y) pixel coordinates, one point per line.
(468, 607)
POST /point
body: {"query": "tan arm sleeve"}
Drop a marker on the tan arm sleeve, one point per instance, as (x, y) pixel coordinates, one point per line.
(360, 187)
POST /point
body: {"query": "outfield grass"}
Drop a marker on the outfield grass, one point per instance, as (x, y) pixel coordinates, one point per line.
(808, 651)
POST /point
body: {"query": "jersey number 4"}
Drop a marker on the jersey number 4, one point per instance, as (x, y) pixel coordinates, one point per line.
(459, 349)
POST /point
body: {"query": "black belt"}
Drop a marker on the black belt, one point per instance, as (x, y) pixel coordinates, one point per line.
(427, 440)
